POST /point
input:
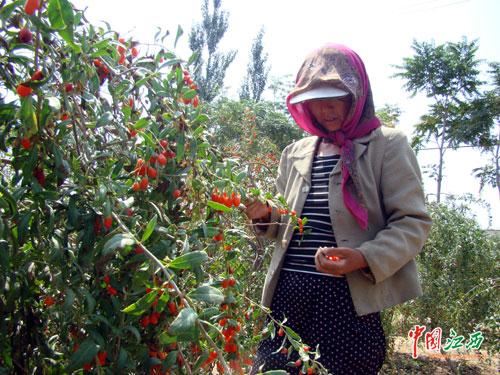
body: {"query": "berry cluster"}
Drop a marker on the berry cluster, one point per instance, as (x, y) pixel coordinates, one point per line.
(121, 50)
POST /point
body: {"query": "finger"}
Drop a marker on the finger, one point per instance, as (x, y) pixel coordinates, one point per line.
(253, 202)
(256, 210)
(258, 206)
(319, 259)
(325, 265)
(249, 202)
(333, 254)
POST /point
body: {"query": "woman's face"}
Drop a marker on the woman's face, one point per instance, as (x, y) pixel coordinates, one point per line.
(331, 112)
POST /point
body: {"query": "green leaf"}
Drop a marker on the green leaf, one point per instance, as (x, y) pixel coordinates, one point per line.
(201, 359)
(193, 57)
(141, 123)
(178, 35)
(210, 231)
(240, 177)
(6, 196)
(22, 228)
(117, 169)
(255, 192)
(28, 116)
(274, 372)
(206, 293)
(166, 339)
(4, 254)
(122, 360)
(292, 333)
(90, 301)
(162, 302)
(317, 354)
(198, 131)
(118, 241)
(144, 80)
(189, 260)
(69, 299)
(219, 206)
(107, 208)
(101, 195)
(188, 95)
(53, 103)
(57, 155)
(185, 247)
(105, 119)
(102, 44)
(211, 311)
(85, 354)
(67, 35)
(149, 229)
(147, 138)
(73, 212)
(180, 147)
(141, 305)
(184, 322)
(134, 331)
(60, 13)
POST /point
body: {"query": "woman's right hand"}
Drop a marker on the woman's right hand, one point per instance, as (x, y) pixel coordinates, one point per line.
(256, 210)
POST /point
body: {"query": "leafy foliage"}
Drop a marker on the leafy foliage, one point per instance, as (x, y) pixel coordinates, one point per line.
(246, 123)
(123, 246)
(487, 112)
(389, 115)
(458, 267)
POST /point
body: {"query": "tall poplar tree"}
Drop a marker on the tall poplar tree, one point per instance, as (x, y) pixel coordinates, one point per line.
(255, 81)
(211, 65)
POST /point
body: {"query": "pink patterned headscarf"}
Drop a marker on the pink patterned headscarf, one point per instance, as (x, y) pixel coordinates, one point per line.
(339, 66)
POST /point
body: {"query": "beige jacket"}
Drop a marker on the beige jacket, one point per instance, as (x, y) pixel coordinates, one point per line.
(398, 221)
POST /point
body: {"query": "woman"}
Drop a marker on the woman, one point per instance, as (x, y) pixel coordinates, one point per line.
(359, 186)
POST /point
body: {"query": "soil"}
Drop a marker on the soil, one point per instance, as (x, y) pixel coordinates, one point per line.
(475, 362)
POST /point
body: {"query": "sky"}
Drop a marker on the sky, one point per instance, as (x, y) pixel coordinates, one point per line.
(380, 31)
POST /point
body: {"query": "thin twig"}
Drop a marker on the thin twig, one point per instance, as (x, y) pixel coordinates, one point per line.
(183, 297)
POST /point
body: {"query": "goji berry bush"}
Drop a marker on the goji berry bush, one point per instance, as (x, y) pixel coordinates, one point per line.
(123, 246)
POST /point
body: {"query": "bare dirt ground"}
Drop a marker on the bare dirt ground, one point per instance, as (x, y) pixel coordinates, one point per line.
(475, 362)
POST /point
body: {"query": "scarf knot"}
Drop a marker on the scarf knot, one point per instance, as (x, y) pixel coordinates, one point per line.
(339, 138)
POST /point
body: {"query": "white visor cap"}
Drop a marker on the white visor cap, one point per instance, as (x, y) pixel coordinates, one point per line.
(319, 93)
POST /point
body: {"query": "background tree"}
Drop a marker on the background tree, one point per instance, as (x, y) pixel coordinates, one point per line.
(460, 285)
(389, 115)
(228, 124)
(487, 110)
(280, 87)
(255, 82)
(449, 75)
(210, 65)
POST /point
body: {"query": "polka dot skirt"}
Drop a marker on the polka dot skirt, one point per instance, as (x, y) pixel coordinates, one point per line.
(320, 310)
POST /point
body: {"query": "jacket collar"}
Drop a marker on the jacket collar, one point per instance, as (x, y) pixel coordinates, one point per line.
(302, 159)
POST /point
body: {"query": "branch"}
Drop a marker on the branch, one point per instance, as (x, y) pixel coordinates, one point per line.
(183, 297)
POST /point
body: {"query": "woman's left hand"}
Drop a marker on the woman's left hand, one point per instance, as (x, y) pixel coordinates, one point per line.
(348, 260)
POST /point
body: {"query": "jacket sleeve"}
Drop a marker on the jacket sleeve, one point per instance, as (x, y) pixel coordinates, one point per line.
(407, 219)
(270, 231)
